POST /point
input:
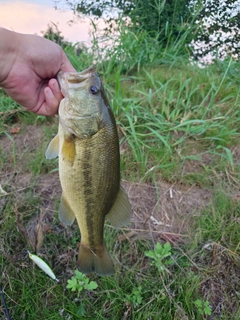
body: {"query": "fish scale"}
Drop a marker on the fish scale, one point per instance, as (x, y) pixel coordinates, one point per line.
(93, 198)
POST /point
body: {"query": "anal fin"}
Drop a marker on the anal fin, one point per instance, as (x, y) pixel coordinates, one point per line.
(66, 215)
(120, 212)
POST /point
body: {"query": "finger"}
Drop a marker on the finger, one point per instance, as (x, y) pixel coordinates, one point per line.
(54, 86)
(50, 106)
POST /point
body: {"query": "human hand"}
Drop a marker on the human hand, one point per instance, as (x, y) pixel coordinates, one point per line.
(29, 71)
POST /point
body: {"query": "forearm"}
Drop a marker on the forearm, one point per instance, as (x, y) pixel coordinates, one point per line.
(9, 44)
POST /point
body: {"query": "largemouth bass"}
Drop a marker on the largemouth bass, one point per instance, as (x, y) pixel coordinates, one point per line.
(89, 166)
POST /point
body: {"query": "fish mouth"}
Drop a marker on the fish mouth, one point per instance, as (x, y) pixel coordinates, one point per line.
(74, 80)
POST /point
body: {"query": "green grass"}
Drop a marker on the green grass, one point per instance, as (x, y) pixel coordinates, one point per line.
(178, 125)
(161, 110)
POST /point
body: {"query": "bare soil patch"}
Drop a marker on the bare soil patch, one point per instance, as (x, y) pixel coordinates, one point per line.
(222, 283)
(164, 210)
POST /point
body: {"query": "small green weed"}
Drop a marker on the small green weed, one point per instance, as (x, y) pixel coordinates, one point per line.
(13, 148)
(203, 307)
(80, 282)
(135, 298)
(161, 256)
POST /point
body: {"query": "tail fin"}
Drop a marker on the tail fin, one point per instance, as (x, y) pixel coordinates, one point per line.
(97, 261)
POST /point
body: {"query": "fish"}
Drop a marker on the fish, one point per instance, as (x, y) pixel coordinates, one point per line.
(87, 146)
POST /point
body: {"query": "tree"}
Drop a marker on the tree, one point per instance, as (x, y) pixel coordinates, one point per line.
(165, 20)
(54, 34)
(219, 24)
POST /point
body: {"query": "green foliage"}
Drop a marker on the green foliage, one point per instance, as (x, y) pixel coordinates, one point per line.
(203, 307)
(178, 128)
(141, 49)
(54, 34)
(218, 29)
(165, 21)
(135, 298)
(161, 108)
(223, 217)
(9, 110)
(161, 256)
(80, 282)
(13, 148)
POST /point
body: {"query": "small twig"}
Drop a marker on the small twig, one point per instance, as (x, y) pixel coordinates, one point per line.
(143, 230)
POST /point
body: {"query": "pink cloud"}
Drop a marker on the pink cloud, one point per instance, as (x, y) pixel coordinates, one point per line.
(32, 18)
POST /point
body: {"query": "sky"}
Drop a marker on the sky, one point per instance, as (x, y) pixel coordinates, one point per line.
(33, 16)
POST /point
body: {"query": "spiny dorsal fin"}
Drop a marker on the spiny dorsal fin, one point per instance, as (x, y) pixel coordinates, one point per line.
(120, 212)
(66, 215)
(53, 148)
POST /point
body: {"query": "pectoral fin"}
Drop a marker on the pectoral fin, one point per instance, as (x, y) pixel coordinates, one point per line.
(53, 148)
(68, 150)
(120, 212)
(66, 215)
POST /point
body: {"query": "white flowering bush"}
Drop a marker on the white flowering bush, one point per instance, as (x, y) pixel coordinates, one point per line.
(219, 29)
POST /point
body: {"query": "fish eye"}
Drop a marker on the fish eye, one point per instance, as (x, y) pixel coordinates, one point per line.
(94, 90)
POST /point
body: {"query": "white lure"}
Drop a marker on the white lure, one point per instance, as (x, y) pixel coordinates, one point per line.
(42, 265)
